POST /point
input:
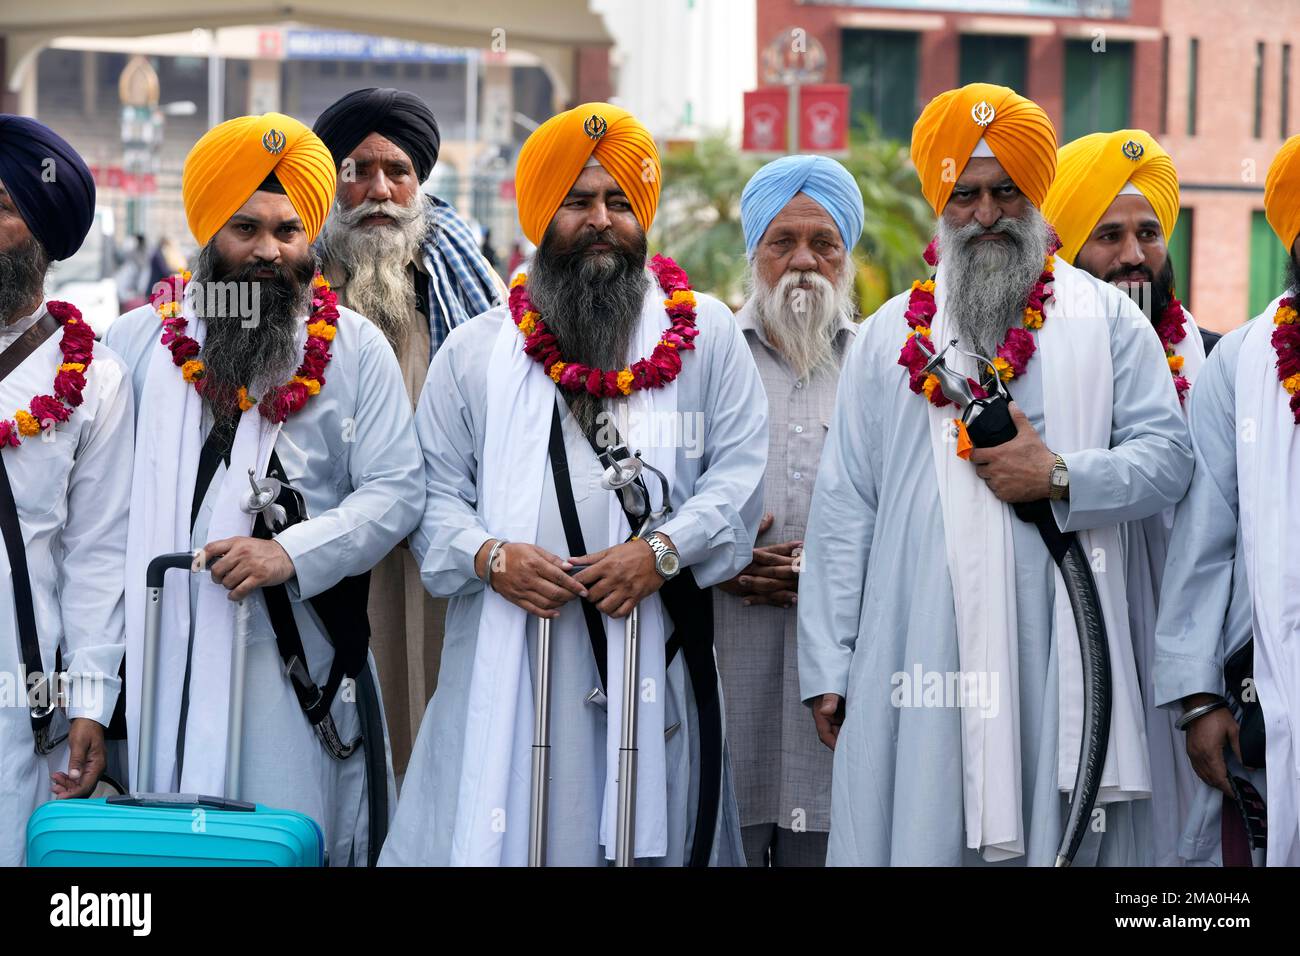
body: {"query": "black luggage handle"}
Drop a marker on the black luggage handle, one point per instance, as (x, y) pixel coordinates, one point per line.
(170, 800)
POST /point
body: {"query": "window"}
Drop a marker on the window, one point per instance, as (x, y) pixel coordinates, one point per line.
(994, 59)
(1164, 85)
(1259, 90)
(1193, 54)
(880, 67)
(1285, 122)
(1097, 88)
(1268, 259)
(1180, 254)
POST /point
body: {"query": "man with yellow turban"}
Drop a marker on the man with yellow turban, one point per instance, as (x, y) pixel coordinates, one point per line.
(1226, 640)
(598, 356)
(1114, 204)
(245, 371)
(937, 647)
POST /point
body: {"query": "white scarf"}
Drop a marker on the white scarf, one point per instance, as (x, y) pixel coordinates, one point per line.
(168, 441)
(496, 768)
(1268, 476)
(1077, 399)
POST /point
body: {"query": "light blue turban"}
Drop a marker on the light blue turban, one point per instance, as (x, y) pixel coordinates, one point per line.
(820, 178)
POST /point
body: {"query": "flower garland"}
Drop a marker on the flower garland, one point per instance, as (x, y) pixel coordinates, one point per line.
(1013, 354)
(654, 372)
(1172, 329)
(281, 401)
(78, 347)
(1286, 342)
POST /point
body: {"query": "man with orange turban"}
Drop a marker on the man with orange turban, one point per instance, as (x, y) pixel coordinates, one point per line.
(249, 370)
(599, 354)
(937, 647)
(1226, 654)
(1114, 204)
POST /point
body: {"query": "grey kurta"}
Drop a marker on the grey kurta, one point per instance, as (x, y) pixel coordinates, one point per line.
(352, 453)
(876, 598)
(717, 498)
(1205, 606)
(783, 772)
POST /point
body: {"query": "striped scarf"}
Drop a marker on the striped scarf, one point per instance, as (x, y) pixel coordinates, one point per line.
(461, 283)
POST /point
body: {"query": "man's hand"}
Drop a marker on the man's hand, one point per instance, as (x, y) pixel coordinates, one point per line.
(770, 578)
(828, 714)
(87, 759)
(1019, 470)
(619, 578)
(242, 564)
(1206, 738)
(530, 577)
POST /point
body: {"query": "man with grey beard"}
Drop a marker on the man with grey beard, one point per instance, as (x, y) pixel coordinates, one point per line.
(937, 647)
(802, 216)
(408, 263)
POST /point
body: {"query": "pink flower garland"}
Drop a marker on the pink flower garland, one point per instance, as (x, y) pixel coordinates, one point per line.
(1172, 329)
(78, 346)
(1286, 343)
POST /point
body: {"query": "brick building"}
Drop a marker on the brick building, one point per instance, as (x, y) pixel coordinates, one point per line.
(1213, 80)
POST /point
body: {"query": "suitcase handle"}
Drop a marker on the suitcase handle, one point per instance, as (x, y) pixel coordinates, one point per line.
(179, 799)
(154, 574)
(160, 565)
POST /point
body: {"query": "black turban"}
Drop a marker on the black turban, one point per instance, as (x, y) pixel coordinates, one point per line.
(48, 182)
(396, 115)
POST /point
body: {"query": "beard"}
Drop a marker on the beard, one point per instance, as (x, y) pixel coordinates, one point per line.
(1292, 274)
(591, 303)
(252, 325)
(801, 324)
(989, 282)
(22, 278)
(376, 259)
(1152, 293)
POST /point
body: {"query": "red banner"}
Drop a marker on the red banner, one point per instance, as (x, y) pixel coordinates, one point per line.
(115, 177)
(823, 119)
(766, 120)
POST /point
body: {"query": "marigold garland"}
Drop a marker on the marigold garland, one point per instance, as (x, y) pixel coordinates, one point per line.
(1286, 343)
(77, 346)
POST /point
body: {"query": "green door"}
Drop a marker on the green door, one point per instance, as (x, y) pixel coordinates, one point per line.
(1180, 254)
(880, 67)
(995, 59)
(1267, 264)
(1097, 88)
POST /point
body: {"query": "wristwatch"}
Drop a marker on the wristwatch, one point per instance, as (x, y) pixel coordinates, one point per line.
(667, 561)
(1060, 481)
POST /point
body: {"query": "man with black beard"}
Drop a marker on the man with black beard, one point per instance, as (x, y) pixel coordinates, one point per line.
(593, 347)
(936, 644)
(408, 263)
(245, 369)
(802, 216)
(65, 484)
(1114, 205)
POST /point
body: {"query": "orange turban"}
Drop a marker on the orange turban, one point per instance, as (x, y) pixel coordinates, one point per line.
(1090, 173)
(554, 155)
(1015, 128)
(1282, 193)
(231, 160)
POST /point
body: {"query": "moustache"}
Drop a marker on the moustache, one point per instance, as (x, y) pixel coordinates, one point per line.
(1130, 274)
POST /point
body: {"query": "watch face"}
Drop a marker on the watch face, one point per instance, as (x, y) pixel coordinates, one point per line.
(668, 563)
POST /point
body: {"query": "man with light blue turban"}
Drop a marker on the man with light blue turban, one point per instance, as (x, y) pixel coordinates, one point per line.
(802, 216)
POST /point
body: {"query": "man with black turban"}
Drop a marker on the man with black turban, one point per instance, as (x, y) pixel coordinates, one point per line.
(407, 262)
(66, 427)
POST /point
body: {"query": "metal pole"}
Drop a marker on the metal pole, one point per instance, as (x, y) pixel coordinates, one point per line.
(793, 125)
(625, 842)
(539, 806)
(216, 88)
(148, 692)
(235, 719)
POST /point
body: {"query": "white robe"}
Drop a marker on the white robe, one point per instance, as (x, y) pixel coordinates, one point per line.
(352, 452)
(73, 495)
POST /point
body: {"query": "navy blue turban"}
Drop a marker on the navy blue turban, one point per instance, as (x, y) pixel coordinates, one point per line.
(819, 178)
(398, 116)
(48, 182)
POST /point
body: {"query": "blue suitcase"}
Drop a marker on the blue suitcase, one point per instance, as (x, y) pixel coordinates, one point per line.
(168, 829)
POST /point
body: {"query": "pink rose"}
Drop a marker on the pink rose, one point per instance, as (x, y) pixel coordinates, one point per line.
(1286, 340)
(68, 386)
(48, 408)
(9, 434)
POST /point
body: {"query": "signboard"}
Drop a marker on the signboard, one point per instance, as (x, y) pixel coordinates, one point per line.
(340, 45)
(823, 119)
(767, 120)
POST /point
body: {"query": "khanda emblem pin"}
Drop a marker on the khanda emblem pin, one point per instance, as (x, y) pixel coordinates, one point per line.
(983, 113)
(273, 141)
(1133, 150)
(595, 126)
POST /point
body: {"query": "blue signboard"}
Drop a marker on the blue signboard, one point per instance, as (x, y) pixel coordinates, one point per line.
(1094, 9)
(340, 45)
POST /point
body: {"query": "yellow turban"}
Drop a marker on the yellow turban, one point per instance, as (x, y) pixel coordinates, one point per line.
(554, 155)
(1015, 128)
(1091, 171)
(231, 160)
(1282, 193)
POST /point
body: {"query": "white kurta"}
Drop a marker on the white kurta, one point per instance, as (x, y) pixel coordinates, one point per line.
(717, 502)
(876, 601)
(352, 453)
(73, 494)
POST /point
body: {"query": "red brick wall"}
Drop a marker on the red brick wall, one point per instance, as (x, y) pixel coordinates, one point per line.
(591, 75)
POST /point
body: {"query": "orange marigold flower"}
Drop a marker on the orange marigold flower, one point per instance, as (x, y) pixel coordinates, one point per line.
(1292, 384)
(72, 366)
(1286, 315)
(519, 279)
(1004, 369)
(319, 281)
(624, 381)
(27, 423)
(528, 322)
(1033, 319)
(929, 385)
(679, 297)
(312, 386)
(322, 330)
(920, 330)
(191, 370)
(245, 403)
(557, 370)
(1175, 363)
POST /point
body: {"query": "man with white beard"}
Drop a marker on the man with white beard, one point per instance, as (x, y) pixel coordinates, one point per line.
(408, 263)
(802, 216)
(936, 644)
